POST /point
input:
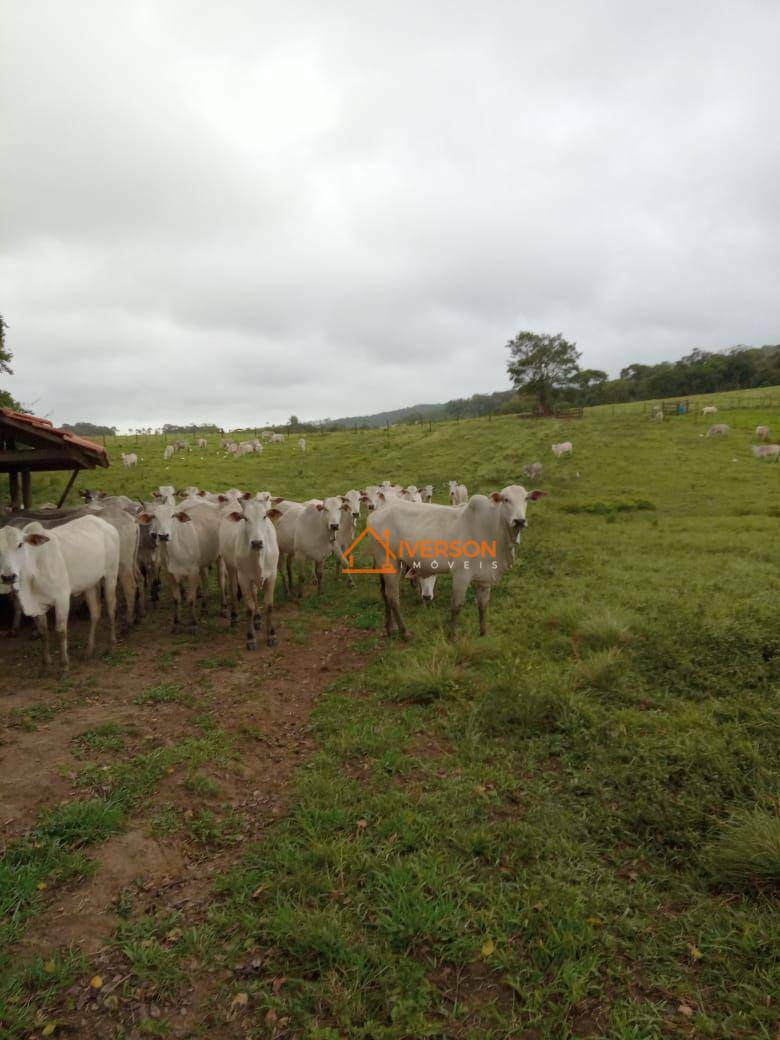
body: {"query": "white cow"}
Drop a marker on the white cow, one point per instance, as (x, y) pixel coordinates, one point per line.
(302, 444)
(188, 542)
(718, 430)
(123, 522)
(129, 460)
(427, 493)
(766, 451)
(354, 498)
(166, 493)
(564, 448)
(762, 433)
(245, 448)
(658, 413)
(45, 568)
(475, 543)
(249, 551)
(202, 443)
(411, 494)
(709, 409)
(277, 438)
(532, 470)
(459, 494)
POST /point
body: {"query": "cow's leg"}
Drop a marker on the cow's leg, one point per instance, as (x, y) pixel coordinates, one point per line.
(42, 624)
(92, 596)
(204, 588)
(268, 603)
(386, 601)
(109, 593)
(318, 565)
(140, 587)
(460, 583)
(127, 581)
(223, 588)
(175, 588)
(61, 610)
(483, 598)
(192, 599)
(248, 589)
(393, 592)
(232, 581)
(16, 624)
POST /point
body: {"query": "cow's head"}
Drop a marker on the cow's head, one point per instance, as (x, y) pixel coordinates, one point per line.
(256, 516)
(331, 509)
(512, 503)
(352, 499)
(14, 547)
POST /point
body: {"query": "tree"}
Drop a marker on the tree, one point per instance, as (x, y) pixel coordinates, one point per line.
(294, 422)
(543, 365)
(6, 401)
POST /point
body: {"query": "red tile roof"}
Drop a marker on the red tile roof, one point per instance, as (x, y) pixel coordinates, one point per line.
(34, 422)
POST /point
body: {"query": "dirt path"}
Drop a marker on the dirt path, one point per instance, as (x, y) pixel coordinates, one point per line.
(261, 702)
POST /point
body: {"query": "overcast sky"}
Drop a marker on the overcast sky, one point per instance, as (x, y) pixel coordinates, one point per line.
(237, 211)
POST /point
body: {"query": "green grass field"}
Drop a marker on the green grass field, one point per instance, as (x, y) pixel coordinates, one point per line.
(567, 829)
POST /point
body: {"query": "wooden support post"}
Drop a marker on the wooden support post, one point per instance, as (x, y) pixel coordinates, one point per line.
(26, 489)
(68, 486)
(13, 480)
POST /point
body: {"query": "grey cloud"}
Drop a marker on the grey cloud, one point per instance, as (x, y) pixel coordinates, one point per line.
(235, 213)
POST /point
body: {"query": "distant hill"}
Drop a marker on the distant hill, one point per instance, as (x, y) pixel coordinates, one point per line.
(459, 408)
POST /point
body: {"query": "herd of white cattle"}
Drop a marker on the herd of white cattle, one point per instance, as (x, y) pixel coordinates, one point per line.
(230, 447)
(762, 433)
(48, 556)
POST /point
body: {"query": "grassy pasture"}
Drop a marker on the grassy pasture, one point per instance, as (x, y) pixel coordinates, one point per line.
(567, 829)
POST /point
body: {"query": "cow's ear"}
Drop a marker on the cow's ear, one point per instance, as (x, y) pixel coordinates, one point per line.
(156, 494)
(382, 496)
(201, 493)
(235, 516)
(274, 513)
(101, 494)
(277, 500)
(246, 495)
(182, 517)
(36, 539)
(222, 498)
(536, 493)
(496, 496)
(364, 497)
(143, 518)
(320, 506)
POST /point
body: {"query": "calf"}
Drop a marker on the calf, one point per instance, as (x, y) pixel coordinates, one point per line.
(45, 568)
(564, 448)
(766, 451)
(407, 531)
(129, 460)
(718, 430)
(250, 554)
(709, 409)
(533, 470)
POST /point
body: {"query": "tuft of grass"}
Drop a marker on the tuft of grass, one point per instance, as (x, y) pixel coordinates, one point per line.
(108, 737)
(600, 670)
(421, 679)
(164, 693)
(747, 851)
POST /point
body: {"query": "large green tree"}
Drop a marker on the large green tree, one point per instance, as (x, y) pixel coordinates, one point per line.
(6, 401)
(542, 365)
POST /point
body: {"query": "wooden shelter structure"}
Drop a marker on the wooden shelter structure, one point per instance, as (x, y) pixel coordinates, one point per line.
(29, 444)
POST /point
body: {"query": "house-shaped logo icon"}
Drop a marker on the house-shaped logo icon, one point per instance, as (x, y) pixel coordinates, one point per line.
(386, 568)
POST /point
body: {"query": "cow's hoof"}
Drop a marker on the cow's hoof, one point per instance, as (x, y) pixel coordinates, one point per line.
(257, 621)
(251, 644)
(223, 612)
(271, 641)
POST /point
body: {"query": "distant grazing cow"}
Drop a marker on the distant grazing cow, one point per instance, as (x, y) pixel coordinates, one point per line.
(459, 494)
(277, 438)
(250, 553)
(564, 448)
(426, 493)
(181, 445)
(129, 460)
(533, 470)
(168, 453)
(766, 451)
(493, 523)
(658, 412)
(718, 430)
(302, 444)
(45, 568)
(709, 409)
(762, 433)
(245, 448)
(201, 443)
